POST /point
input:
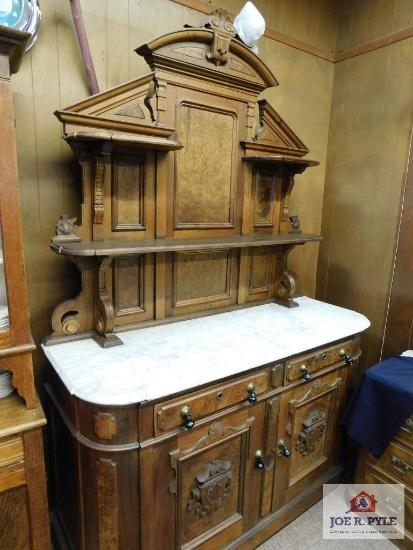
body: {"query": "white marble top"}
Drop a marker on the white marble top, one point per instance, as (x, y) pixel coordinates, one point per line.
(166, 359)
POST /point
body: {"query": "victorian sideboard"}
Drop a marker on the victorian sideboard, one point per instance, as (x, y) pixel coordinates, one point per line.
(194, 393)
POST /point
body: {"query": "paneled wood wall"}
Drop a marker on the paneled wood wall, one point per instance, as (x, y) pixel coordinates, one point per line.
(361, 144)
(370, 126)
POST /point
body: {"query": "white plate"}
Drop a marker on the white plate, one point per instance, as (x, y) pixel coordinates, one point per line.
(4, 312)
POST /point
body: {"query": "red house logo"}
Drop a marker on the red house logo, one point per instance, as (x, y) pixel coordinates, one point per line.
(363, 502)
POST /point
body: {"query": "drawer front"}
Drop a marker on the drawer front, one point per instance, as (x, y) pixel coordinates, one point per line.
(397, 461)
(313, 362)
(11, 451)
(168, 415)
(394, 503)
(406, 431)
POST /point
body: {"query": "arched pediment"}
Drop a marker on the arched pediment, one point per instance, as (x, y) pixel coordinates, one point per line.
(211, 52)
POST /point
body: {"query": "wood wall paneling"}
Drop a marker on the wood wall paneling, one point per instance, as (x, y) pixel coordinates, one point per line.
(398, 335)
(368, 143)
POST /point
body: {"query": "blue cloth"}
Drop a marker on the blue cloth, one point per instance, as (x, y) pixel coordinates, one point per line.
(381, 404)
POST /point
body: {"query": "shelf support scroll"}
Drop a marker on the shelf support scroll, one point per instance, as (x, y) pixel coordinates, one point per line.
(105, 322)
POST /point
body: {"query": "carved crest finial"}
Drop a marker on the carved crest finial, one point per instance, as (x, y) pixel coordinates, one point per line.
(224, 31)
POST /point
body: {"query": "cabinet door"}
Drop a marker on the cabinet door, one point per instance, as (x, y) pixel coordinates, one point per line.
(308, 427)
(212, 481)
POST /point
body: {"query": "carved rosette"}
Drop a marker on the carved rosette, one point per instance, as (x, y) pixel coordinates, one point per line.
(212, 486)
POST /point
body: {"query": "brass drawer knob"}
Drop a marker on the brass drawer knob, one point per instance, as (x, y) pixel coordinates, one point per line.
(284, 451)
(259, 460)
(186, 415)
(252, 396)
(348, 359)
(305, 374)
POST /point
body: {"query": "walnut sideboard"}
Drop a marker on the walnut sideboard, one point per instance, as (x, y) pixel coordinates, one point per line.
(205, 433)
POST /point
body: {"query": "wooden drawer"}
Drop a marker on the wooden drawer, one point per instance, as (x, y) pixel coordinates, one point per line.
(397, 461)
(11, 451)
(315, 361)
(168, 415)
(392, 504)
(406, 431)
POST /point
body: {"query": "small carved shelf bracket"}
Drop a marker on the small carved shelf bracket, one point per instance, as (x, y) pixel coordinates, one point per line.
(105, 322)
(285, 285)
(102, 163)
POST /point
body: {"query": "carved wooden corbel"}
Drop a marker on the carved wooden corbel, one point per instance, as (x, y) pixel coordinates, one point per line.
(105, 322)
(286, 281)
(101, 163)
(288, 185)
(74, 316)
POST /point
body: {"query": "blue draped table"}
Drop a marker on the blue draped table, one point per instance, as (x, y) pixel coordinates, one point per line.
(381, 404)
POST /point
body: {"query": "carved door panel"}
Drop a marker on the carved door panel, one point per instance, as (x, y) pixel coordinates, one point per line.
(215, 482)
(308, 431)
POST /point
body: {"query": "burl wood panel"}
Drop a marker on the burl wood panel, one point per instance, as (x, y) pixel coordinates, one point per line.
(204, 182)
(265, 195)
(133, 288)
(202, 276)
(261, 262)
(128, 211)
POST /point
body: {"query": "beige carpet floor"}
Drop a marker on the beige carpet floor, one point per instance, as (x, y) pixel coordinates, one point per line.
(305, 533)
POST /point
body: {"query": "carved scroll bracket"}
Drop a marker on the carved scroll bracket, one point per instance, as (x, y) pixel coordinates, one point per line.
(105, 322)
(286, 281)
(73, 316)
(288, 185)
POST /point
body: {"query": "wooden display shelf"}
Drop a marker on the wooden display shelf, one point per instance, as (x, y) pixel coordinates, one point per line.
(144, 246)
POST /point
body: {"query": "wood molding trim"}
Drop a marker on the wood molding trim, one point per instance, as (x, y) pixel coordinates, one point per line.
(205, 7)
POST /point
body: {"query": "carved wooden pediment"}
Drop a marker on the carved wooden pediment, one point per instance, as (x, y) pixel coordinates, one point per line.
(211, 53)
(122, 113)
(273, 135)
